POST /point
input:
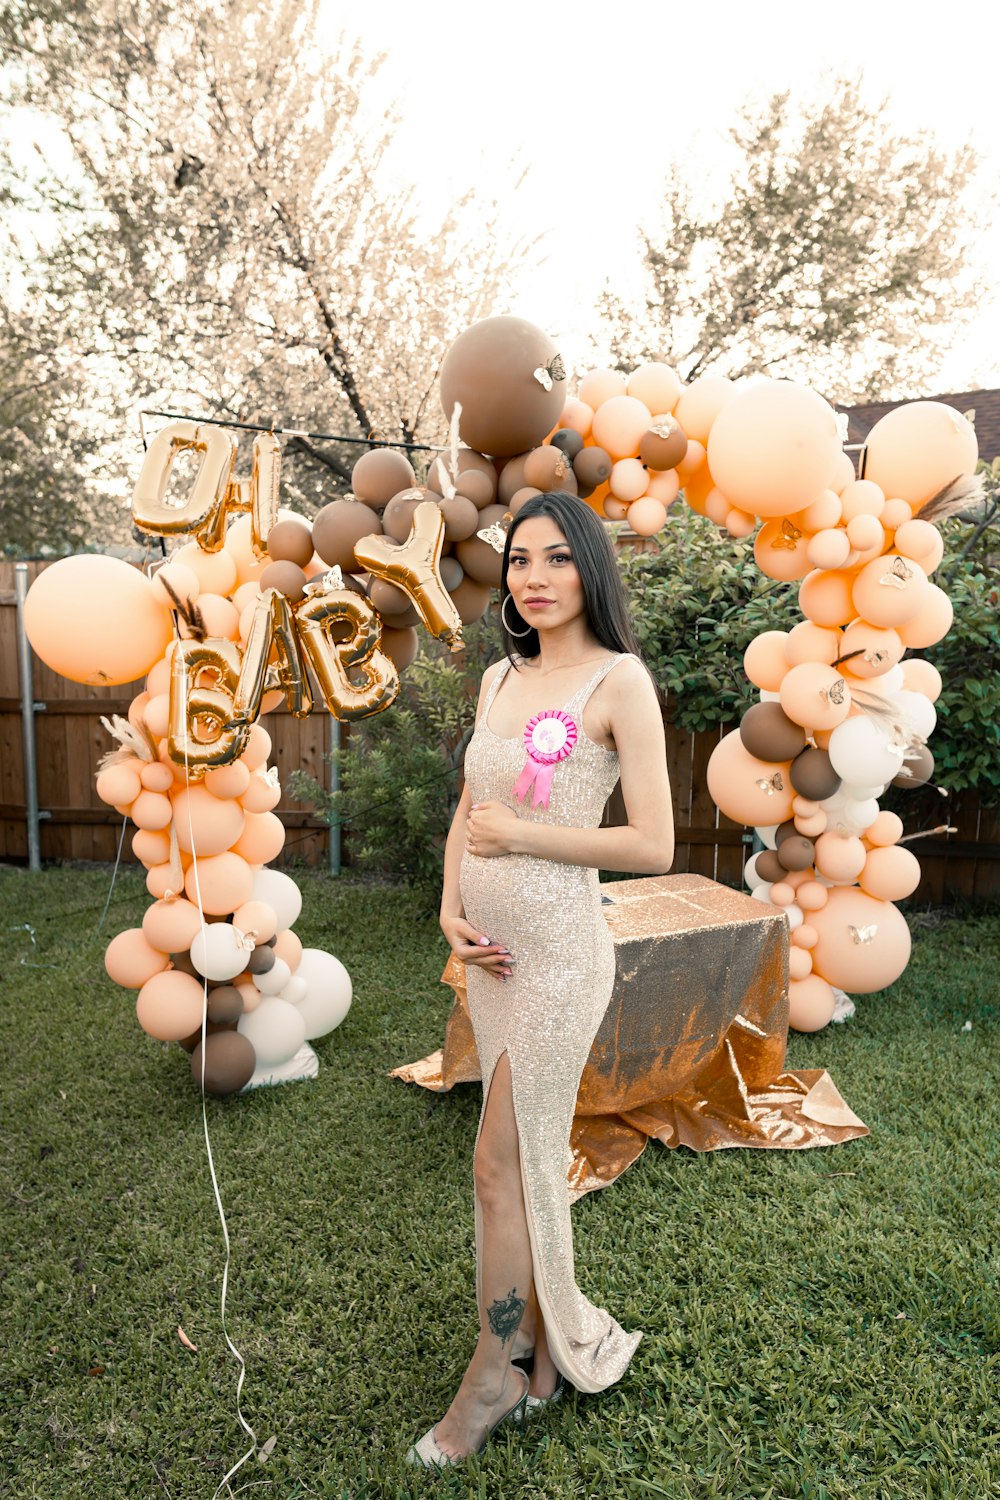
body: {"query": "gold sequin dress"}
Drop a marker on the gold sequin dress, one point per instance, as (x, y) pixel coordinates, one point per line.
(545, 1016)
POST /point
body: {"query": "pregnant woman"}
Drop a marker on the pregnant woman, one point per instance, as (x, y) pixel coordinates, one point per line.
(570, 711)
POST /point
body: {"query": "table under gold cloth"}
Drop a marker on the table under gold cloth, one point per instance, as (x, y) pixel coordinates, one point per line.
(691, 1049)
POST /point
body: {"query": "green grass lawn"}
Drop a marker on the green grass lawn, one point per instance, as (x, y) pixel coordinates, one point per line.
(820, 1325)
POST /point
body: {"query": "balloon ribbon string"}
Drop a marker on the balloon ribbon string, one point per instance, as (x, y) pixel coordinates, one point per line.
(319, 437)
(208, 1142)
(114, 876)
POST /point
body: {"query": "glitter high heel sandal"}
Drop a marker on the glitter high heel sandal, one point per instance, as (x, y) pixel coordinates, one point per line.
(534, 1405)
(428, 1455)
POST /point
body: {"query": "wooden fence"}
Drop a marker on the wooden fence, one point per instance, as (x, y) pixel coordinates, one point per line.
(78, 826)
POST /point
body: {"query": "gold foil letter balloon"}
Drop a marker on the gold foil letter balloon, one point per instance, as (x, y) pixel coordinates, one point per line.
(203, 511)
(415, 567)
(203, 680)
(258, 495)
(340, 632)
(273, 626)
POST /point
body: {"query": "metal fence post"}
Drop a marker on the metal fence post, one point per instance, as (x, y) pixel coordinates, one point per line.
(27, 721)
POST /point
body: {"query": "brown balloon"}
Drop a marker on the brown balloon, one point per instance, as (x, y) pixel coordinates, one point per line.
(796, 852)
(229, 1063)
(261, 961)
(452, 573)
(569, 440)
(522, 497)
(769, 867)
(917, 768)
(478, 487)
(461, 517)
(380, 474)
(664, 445)
(201, 733)
(401, 646)
(388, 599)
(546, 468)
(510, 381)
(182, 963)
(769, 734)
(291, 541)
(511, 479)
(414, 567)
(785, 830)
(397, 518)
(356, 678)
(272, 634)
(471, 598)
(336, 529)
(287, 577)
(225, 1004)
(481, 561)
(812, 775)
(592, 467)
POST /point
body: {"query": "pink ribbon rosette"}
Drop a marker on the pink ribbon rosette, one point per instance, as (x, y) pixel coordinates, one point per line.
(548, 738)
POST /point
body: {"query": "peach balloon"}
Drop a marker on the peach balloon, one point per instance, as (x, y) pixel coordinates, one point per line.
(773, 447)
(844, 474)
(117, 785)
(692, 461)
(894, 515)
(826, 598)
(629, 479)
(239, 546)
(863, 944)
(258, 748)
(578, 416)
(289, 948)
(95, 620)
(871, 651)
(809, 642)
(805, 936)
(815, 696)
(205, 824)
(812, 826)
(861, 498)
(158, 677)
(171, 926)
(262, 839)
(765, 662)
(821, 514)
(250, 995)
(260, 796)
(738, 523)
(828, 549)
(920, 541)
(780, 550)
(170, 1005)
(182, 580)
(646, 517)
(137, 709)
(249, 593)
(803, 805)
(130, 959)
(224, 881)
(717, 507)
(620, 425)
(890, 590)
(812, 896)
(656, 385)
(701, 402)
(839, 857)
(599, 386)
(811, 1003)
(915, 450)
(215, 571)
(782, 894)
(921, 676)
(887, 829)
(156, 777)
(746, 789)
(866, 534)
(615, 510)
(258, 919)
(151, 848)
(151, 810)
(932, 621)
(799, 962)
(890, 874)
(221, 617)
(161, 881)
(228, 781)
(664, 487)
(156, 715)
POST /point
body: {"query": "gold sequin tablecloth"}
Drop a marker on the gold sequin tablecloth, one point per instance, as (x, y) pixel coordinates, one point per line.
(691, 1049)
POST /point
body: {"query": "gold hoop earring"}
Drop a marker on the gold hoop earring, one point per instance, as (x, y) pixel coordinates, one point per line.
(517, 634)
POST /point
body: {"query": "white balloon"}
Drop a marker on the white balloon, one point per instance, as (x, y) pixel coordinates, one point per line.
(795, 915)
(767, 835)
(328, 998)
(861, 752)
(280, 892)
(276, 1031)
(763, 893)
(862, 793)
(274, 981)
(295, 990)
(750, 871)
(918, 712)
(857, 816)
(766, 696)
(219, 951)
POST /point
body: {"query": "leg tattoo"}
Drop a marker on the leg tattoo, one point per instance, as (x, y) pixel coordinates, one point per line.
(504, 1316)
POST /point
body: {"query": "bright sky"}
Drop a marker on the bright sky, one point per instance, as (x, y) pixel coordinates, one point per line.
(597, 99)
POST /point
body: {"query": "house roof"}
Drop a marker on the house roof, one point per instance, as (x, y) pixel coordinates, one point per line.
(985, 404)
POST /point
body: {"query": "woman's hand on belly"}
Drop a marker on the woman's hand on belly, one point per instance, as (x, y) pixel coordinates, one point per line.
(474, 947)
(491, 829)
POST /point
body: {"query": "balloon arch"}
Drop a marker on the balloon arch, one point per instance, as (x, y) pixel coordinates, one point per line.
(259, 606)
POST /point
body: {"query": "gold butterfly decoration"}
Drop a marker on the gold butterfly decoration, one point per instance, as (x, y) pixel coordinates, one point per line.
(496, 535)
(786, 538)
(898, 575)
(771, 784)
(874, 658)
(333, 579)
(547, 375)
(863, 934)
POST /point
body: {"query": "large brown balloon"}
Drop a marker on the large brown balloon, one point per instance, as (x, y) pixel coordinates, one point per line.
(471, 599)
(569, 440)
(522, 497)
(290, 541)
(664, 445)
(388, 599)
(511, 478)
(812, 775)
(336, 529)
(229, 1063)
(795, 852)
(461, 518)
(546, 468)
(499, 370)
(478, 487)
(380, 474)
(287, 577)
(769, 866)
(918, 767)
(452, 573)
(397, 518)
(785, 830)
(769, 734)
(400, 646)
(481, 561)
(592, 467)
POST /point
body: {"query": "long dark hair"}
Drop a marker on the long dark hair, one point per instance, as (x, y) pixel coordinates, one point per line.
(604, 597)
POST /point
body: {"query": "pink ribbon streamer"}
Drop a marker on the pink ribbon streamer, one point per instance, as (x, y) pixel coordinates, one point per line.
(547, 743)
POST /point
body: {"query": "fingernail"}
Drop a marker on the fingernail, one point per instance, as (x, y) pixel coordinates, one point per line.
(485, 942)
